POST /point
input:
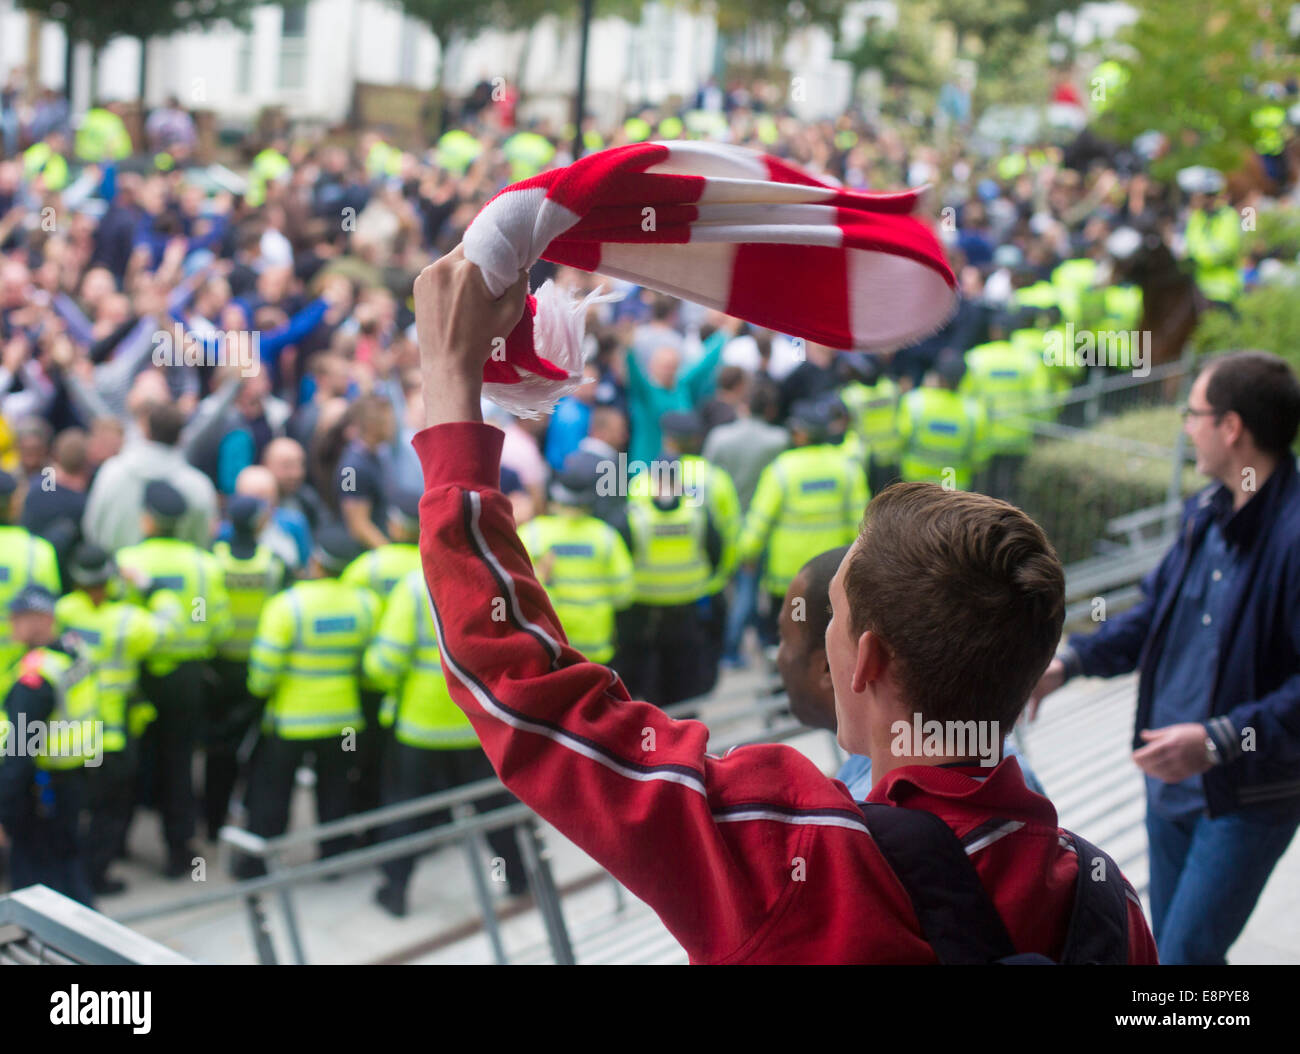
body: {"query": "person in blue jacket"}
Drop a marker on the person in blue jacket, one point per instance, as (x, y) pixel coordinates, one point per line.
(1216, 638)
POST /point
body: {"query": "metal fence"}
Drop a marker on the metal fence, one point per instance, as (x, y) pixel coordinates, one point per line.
(39, 927)
(467, 831)
(1105, 475)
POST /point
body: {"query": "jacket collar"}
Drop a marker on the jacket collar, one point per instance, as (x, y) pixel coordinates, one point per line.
(966, 791)
(1241, 527)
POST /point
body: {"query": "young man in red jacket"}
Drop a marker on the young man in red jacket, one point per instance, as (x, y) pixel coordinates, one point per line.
(947, 609)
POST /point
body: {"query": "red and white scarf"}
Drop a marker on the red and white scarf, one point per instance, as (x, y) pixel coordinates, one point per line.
(729, 228)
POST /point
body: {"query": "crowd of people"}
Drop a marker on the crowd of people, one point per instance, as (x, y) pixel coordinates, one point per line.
(208, 495)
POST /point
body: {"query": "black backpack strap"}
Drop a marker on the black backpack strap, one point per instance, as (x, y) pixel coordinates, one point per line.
(954, 911)
(1098, 930)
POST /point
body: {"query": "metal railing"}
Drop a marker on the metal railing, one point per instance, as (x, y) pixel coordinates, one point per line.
(1106, 471)
(51, 929)
(468, 829)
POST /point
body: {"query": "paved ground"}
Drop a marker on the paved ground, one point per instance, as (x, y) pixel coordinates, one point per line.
(1079, 748)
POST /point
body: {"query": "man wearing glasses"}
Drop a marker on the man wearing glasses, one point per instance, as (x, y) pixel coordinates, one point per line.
(1216, 639)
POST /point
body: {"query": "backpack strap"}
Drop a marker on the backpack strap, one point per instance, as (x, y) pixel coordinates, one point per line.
(1098, 930)
(954, 911)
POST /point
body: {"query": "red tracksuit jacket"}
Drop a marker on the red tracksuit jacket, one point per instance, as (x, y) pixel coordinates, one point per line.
(755, 857)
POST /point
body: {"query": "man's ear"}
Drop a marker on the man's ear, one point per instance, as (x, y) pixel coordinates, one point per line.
(872, 661)
(1235, 427)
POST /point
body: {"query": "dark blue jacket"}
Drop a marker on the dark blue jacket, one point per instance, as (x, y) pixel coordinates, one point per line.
(1254, 713)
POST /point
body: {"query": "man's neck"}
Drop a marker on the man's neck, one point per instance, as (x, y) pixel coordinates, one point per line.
(912, 739)
(1247, 476)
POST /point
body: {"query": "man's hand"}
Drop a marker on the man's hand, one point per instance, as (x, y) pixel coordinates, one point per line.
(456, 320)
(1173, 753)
(1052, 679)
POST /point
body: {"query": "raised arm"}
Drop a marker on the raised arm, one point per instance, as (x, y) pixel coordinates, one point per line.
(706, 841)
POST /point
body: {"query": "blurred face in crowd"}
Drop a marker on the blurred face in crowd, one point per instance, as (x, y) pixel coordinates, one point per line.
(32, 628)
(11, 174)
(14, 278)
(114, 309)
(287, 463)
(378, 428)
(801, 662)
(191, 199)
(33, 451)
(273, 283)
(216, 295)
(233, 318)
(331, 376)
(152, 195)
(664, 364)
(96, 286)
(149, 387)
(256, 481)
(105, 440)
(609, 425)
(252, 394)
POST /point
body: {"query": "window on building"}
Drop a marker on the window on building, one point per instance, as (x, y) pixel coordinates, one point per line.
(244, 65)
(293, 47)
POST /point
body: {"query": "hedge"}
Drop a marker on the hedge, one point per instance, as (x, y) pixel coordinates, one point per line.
(1073, 488)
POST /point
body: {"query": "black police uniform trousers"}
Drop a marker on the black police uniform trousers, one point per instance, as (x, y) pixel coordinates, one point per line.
(665, 652)
(112, 792)
(172, 739)
(233, 711)
(412, 772)
(367, 788)
(880, 474)
(47, 844)
(270, 788)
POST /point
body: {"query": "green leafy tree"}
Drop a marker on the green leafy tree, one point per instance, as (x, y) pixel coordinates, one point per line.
(1192, 66)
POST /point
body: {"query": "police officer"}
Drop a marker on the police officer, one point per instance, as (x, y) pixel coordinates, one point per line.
(175, 678)
(944, 434)
(24, 560)
(1011, 381)
(583, 562)
(118, 636)
(871, 397)
(306, 662)
(51, 723)
(712, 486)
(1213, 241)
(379, 570)
(432, 746)
(809, 499)
(665, 651)
(252, 574)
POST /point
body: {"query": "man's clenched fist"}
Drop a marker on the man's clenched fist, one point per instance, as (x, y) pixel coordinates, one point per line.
(458, 323)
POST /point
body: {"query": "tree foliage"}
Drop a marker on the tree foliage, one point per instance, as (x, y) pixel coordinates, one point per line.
(1193, 67)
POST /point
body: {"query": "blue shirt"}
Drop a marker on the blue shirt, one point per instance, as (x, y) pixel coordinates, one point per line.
(568, 428)
(1184, 674)
(856, 775)
(856, 772)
